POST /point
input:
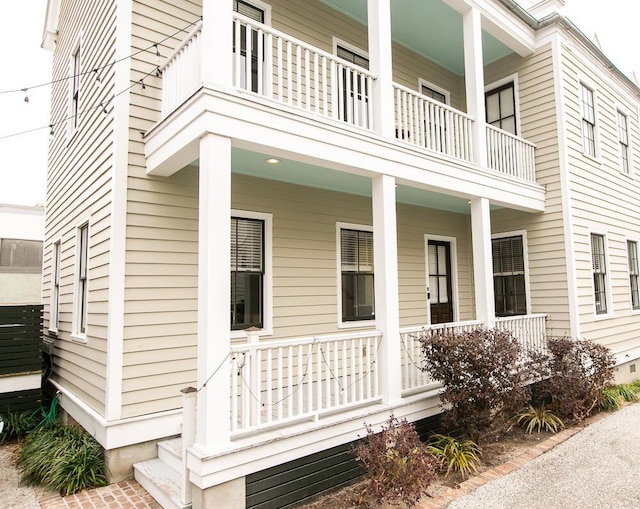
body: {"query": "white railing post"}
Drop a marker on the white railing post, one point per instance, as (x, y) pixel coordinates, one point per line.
(188, 439)
(253, 339)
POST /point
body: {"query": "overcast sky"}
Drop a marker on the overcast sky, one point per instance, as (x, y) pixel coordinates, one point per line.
(23, 159)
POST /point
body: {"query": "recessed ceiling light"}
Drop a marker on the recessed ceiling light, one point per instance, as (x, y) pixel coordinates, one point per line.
(273, 160)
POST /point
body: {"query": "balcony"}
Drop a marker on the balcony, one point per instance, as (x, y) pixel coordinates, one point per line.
(291, 74)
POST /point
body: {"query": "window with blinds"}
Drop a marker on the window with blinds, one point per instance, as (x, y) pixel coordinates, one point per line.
(354, 93)
(509, 285)
(356, 258)
(256, 14)
(247, 273)
(599, 268)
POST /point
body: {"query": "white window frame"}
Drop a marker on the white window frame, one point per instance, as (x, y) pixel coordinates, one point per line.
(619, 110)
(637, 244)
(525, 254)
(80, 297)
(54, 306)
(607, 282)
(267, 283)
(516, 96)
(266, 9)
(455, 296)
(358, 323)
(75, 87)
(363, 111)
(584, 82)
(424, 83)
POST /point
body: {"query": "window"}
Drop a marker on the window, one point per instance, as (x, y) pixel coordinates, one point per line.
(17, 255)
(82, 292)
(256, 14)
(55, 287)
(599, 268)
(500, 105)
(247, 273)
(74, 101)
(509, 276)
(634, 273)
(434, 94)
(354, 94)
(356, 262)
(588, 121)
(623, 142)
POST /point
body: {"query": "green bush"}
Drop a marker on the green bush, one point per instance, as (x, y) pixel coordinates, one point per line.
(62, 458)
(538, 419)
(461, 456)
(18, 424)
(483, 385)
(573, 376)
(610, 400)
(398, 466)
(628, 392)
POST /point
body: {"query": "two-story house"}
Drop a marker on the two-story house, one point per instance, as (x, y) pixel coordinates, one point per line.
(269, 200)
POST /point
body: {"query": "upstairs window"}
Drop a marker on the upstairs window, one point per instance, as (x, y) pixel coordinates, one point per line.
(247, 273)
(356, 261)
(353, 91)
(588, 120)
(634, 274)
(509, 284)
(500, 105)
(74, 83)
(248, 79)
(599, 268)
(623, 142)
(433, 94)
(17, 255)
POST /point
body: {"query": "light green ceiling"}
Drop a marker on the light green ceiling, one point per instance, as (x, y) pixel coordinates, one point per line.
(253, 163)
(429, 27)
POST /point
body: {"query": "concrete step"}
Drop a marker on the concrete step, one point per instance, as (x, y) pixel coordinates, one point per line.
(170, 451)
(161, 481)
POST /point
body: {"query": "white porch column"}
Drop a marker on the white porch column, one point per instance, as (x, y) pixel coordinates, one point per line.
(216, 51)
(380, 64)
(214, 280)
(482, 261)
(385, 257)
(474, 82)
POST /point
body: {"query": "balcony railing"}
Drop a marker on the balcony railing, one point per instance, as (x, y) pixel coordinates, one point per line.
(278, 67)
(529, 330)
(277, 383)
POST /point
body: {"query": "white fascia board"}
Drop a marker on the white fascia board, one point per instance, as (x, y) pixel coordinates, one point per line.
(22, 382)
(50, 29)
(253, 125)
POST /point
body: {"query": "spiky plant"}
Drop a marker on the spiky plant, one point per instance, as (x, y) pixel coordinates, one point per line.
(539, 419)
(610, 399)
(456, 455)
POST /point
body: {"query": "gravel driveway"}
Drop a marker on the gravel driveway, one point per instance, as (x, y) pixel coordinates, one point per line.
(13, 496)
(598, 467)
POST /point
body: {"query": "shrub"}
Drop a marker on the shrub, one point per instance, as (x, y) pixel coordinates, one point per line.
(62, 458)
(538, 419)
(628, 392)
(483, 385)
(610, 400)
(398, 465)
(461, 456)
(573, 376)
(18, 424)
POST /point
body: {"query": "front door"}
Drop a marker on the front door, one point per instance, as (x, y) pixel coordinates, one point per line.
(439, 293)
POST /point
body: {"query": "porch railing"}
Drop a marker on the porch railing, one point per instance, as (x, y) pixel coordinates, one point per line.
(529, 330)
(424, 122)
(276, 383)
(510, 154)
(414, 379)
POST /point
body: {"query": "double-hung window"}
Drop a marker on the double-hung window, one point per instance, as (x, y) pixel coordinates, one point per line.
(354, 89)
(634, 274)
(433, 94)
(55, 287)
(623, 142)
(74, 83)
(500, 104)
(247, 273)
(509, 283)
(356, 262)
(82, 288)
(599, 269)
(588, 108)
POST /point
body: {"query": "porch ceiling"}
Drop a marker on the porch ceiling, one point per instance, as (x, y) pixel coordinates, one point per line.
(430, 28)
(254, 164)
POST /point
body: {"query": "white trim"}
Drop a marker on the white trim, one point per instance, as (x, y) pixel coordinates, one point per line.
(50, 30)
(342, 324)
(76, 335)
(565, 191)
(122, 432)
(266, 8)
(525, 254)
(267, 297)
(56, 266)
(335, 42)
(23, 382)
(118, 231)
(620, 109)
(589, 84)
(453, 248)
(424, 83)
(607, 281)
(512, 78)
